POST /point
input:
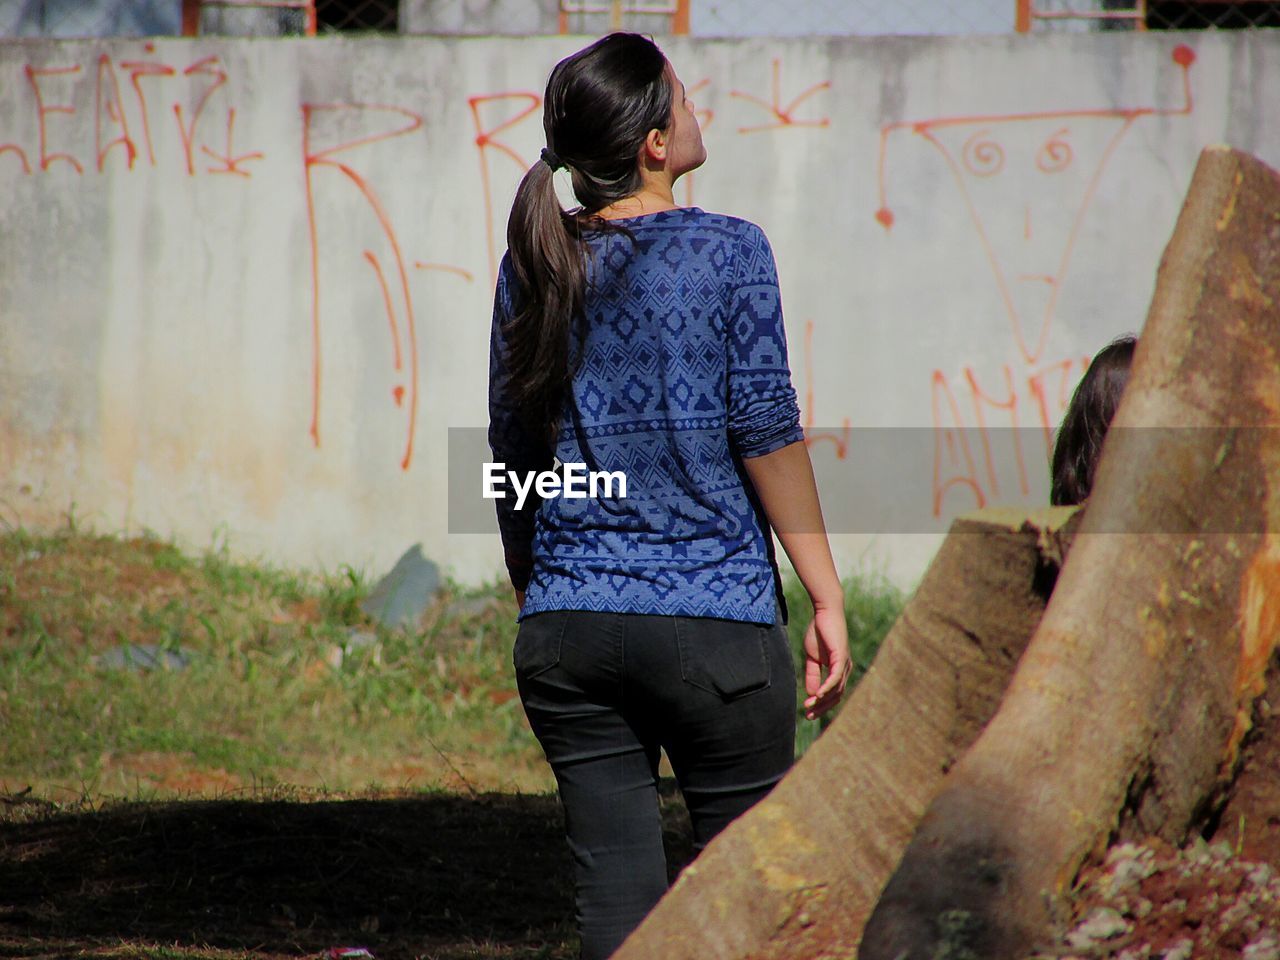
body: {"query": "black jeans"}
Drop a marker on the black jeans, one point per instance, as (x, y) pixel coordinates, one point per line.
(603, 692)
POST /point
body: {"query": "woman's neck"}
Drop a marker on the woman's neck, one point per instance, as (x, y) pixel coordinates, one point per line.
(655, 195)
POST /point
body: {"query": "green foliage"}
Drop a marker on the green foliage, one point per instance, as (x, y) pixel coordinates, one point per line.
(871, 606)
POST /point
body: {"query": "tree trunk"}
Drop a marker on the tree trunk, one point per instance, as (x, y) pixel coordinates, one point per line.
(1125, 715)
(798, 875)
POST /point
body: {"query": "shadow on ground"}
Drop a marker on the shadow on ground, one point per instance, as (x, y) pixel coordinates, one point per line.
(436, 876)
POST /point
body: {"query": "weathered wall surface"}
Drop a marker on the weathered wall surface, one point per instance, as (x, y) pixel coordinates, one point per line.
(245, 285)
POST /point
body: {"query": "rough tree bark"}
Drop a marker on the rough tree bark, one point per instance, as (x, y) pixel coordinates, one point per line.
(1126, 712)
(798, 875)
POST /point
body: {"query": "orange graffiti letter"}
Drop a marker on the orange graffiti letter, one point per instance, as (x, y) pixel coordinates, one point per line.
(484, 142)
(209, 67)
(107, 102)
(43, 111)
(981, 398)
(956, 444)
(230, 162)
(138, 69)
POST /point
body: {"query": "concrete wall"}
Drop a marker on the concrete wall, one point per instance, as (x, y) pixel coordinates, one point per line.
(245, 286)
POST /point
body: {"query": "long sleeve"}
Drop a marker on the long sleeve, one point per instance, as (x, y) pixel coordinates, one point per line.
(511, 443)
(763, 413)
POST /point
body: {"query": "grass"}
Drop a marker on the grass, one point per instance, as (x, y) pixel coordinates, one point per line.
(287, 680)
(283, 678)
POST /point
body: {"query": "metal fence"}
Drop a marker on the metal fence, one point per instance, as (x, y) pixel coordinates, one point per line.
(700, 18)
(1042, 15)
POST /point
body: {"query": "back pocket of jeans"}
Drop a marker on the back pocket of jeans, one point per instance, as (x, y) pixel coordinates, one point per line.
(537, 646)
(725, 657)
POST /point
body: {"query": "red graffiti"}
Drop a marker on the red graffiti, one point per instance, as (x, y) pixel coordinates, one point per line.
(397, 361)
(1029, 268)
(107, 104)
(466, 275)
(527, 104)
(1029, 276)
(950, 447)
(955, 462)
(42, 112)
(403, 122)
(782, 116)
(112, 126)
(208, 66)
(839, 440)
(22, 154)
(228, 158)
(137, 70)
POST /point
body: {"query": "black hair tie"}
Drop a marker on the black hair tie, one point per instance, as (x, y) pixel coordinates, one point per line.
(551, 159)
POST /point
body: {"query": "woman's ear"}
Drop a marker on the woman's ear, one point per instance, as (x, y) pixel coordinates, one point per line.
(655, 147)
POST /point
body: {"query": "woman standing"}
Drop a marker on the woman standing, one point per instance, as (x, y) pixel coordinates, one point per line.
(638, 337)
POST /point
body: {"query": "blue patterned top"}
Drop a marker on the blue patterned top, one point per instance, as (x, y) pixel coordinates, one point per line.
(682, 373)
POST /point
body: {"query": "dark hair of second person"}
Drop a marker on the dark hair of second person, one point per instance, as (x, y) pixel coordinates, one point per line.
(1084, 426)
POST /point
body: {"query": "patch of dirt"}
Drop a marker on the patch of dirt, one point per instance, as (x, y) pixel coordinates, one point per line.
(1150, 900)
(171, 773)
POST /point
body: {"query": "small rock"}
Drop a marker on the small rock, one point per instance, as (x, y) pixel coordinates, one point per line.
(1222, 850)
(1236, 914)
(1126, 851)
(400, 598)
(1260, 875)
(1179, 951)
(1264, 947)
(1128, 872)
(358, 643)
(1199, 852)
(1102, 924)
(141, 657)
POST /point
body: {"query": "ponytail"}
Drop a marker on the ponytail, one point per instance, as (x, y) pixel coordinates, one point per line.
(549, 270)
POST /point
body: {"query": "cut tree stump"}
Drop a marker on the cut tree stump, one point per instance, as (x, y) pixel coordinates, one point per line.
(797, 875)
(1125, 715)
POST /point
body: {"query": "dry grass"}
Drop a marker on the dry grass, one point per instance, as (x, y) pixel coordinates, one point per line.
(285, 680)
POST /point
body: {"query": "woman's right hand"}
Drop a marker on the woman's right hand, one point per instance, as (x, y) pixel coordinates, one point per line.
(826, 650)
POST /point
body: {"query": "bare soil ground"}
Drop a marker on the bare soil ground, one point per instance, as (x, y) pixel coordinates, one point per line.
(488, 876)
(439, 876)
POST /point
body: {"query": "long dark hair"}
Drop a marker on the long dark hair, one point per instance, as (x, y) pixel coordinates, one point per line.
(599, 107)
(1084, 426)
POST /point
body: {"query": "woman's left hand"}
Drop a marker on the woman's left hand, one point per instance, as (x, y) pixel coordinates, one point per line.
(826, 648)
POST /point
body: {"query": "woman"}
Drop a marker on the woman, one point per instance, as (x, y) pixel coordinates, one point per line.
(639, 337)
